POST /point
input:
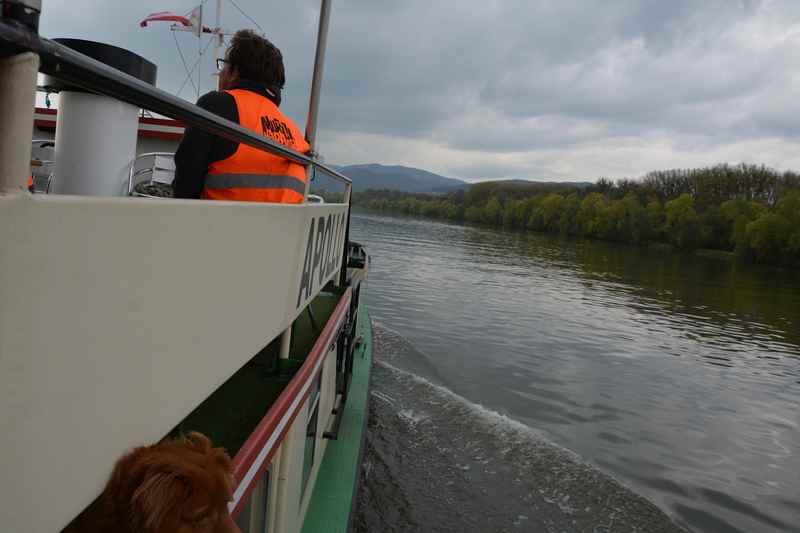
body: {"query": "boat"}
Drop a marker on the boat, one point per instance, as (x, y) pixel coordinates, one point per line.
(120, 325)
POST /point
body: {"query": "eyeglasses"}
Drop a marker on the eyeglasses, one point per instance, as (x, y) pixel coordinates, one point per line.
(221, 64)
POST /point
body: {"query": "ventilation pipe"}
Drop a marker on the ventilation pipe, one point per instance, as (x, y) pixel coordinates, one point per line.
(96, 135)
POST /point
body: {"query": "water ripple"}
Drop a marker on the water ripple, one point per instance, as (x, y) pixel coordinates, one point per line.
(677, 374)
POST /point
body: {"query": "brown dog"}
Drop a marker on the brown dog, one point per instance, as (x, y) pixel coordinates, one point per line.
(180, 486)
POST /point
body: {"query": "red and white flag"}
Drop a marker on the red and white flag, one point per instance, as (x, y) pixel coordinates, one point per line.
(193, 22)
(165, 16)
(196, 19)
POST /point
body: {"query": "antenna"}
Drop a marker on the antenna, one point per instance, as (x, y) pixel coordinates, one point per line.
(192, 22)
(219, 36)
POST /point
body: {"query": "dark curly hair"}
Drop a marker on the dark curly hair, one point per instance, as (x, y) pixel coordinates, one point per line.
(256, 59)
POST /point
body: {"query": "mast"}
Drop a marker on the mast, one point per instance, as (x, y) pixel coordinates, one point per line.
(316, 83)
(218, 35)
(200, 52)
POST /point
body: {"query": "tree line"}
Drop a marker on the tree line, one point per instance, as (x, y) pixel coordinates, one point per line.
(751, 210)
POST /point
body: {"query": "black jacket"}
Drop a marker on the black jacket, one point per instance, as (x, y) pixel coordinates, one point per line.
(198, 149)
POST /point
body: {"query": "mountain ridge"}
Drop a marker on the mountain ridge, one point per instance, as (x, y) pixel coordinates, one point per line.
(376, 176)
(397, 177)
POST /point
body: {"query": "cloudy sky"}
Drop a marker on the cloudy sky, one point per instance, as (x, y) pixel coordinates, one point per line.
(531, 89)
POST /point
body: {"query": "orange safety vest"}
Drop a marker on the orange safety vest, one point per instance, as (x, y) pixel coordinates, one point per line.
(252, 175)
(30, 182)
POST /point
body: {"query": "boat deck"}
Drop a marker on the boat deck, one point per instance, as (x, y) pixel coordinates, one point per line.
(229, 416)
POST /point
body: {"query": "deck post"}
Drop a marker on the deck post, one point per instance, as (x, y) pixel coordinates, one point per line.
(286, 341)
(341, 279)
(17, 103)
(290, 468)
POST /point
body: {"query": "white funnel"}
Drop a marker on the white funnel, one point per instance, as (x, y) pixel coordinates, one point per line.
(96, 135)
(95, 144)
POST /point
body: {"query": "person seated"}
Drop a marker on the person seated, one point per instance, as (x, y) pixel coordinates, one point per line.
(251, 78)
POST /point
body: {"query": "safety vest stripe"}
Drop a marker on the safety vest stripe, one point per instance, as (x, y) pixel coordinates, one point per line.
(254, 181)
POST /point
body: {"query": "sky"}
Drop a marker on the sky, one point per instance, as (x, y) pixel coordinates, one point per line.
(562, 90)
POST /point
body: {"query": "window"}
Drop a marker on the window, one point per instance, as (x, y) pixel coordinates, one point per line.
(311, 431)
(254, 514)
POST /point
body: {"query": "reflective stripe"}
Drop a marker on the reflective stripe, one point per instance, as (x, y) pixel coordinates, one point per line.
(254, 181)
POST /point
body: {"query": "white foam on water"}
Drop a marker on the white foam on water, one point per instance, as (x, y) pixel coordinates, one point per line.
(511, 439)
(510, 434)
(383, 396)
(497, 421)
(411, 417)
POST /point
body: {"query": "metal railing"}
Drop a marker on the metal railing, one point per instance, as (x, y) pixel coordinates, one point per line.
(134, 172)
(42, 170)
(75, 68)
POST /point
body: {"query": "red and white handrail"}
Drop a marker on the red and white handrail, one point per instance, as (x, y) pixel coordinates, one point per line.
(259, 449)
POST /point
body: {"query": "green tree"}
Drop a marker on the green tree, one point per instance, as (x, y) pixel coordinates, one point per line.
(631, 220)
(589, 213)
(715, 230)
(738, 213)
(655, 220)
(493, 212)
(789, 207)
(568, 222)
(551, 207)
(768, 236)
(536, 216)
(682, 221)
(473, 214)
(455, 212)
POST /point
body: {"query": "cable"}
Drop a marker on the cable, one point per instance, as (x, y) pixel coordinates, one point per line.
(183, 60)
(194, 66)
(202, 4)
(248, 17)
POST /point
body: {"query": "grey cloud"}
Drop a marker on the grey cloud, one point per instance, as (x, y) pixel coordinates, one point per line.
(544, 79)
(636, 64)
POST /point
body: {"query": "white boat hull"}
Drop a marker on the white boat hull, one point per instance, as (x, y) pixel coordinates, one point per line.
(120, 315)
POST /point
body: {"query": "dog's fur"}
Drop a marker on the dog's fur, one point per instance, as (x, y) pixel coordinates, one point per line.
(178, 486)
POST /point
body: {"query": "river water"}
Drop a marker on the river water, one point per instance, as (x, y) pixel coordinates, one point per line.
(528, 383)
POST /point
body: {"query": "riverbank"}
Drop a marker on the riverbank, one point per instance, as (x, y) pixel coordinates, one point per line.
(708, 253)
(752, 211)
(666, 248)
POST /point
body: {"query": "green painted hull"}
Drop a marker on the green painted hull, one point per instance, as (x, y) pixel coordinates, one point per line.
(337, 483)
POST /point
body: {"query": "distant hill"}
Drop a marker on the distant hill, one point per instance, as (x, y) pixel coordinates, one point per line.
(578, 184)
(409, 179)
(398, 178)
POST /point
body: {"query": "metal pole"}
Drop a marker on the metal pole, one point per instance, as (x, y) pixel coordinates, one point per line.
(218, 32)
(316, 82)
(286, 342)
(345, 255)
(342, 281)
(17, 102)
(200, 60)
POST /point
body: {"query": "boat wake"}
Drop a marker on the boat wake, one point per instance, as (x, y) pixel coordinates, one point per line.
(435, 461)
